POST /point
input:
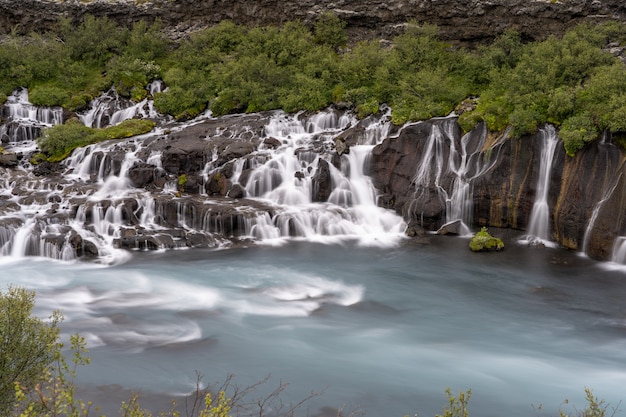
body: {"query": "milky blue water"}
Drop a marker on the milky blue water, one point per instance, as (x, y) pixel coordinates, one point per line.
(383, 330)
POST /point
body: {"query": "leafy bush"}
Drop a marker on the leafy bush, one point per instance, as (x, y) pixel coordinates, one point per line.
(59, 141)
(329, 30)
(27, 346)
(48, 95)
(457, 406)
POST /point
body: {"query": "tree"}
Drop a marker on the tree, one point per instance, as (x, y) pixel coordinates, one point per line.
(28, 344)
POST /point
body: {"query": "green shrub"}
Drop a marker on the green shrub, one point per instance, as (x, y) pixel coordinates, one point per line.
(577, 131)
(59, 141)
(329, 30)
(27, 347)
(457, 406)
(48, 95)
(568, 81)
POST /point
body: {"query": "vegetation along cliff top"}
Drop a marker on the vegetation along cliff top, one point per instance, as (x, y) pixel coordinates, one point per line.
(574, 81)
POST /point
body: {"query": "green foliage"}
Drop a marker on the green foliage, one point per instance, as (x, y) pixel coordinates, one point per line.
(47, 95)
(59, 141)
(27, 346)
(569, 81)
(577, 131)
(483, 241)
(94, 41)
(182, 181)
(220, 407)
(594, 408)
(457, 406)
(329, 30)
(129, 74)
(55, 393)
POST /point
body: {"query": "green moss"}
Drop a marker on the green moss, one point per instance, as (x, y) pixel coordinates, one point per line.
(38, 158)
(58, 142)
(182, 181)
(483, 241)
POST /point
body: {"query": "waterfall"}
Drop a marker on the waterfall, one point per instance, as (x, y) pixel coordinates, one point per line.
(285, 177)
(608, 192)
(539, 222)
(21, 110)
(109, 109)
(448, 167)
(24, 121)
(619, 250)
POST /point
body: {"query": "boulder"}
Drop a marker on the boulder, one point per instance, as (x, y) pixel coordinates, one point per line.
(455, 227)
(8, 159)
(141, 174)
(322, 184)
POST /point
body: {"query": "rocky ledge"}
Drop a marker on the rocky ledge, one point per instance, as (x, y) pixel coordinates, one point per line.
(467, 21)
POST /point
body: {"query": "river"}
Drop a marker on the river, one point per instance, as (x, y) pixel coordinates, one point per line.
(383, 330)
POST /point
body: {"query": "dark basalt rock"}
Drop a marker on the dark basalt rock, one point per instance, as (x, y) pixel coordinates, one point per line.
(141, 174)
(322, 185)
(468, 21)
(8, 159)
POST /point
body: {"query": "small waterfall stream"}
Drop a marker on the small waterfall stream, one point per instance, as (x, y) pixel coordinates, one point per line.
(619, 250)
(449, 165)
(539, 221)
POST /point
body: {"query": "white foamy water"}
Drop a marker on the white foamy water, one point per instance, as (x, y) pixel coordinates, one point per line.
(539, 221)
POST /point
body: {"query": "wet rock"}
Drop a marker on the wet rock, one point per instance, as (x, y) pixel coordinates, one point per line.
(413, 229)
(217, 184)
(46, 169)
(237, 191)
(83, 247)
(322, 183)
(8, 159)
(237, 150)
(141, 175)
(272, 143)
(453, 228)
(340, 146)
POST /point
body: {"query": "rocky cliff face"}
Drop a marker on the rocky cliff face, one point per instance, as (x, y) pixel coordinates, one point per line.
(465, 21)
(428, 171)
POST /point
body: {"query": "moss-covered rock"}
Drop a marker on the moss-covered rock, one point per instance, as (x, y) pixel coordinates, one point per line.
(483, 241)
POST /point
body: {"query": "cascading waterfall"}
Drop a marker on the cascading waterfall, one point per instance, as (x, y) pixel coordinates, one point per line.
(21, 110)
(25, 121)
(285, 177)
(96, 205)
(110, 109)
(539, 222)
